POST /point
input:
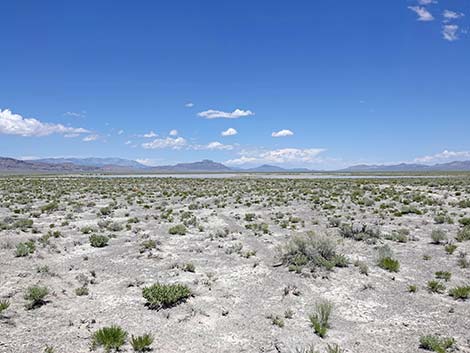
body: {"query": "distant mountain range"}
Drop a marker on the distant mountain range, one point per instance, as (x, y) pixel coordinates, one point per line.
(119, 165)
(94, 162)
(404, 167)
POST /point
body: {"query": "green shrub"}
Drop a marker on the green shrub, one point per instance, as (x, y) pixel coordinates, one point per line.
(50, 207)
(105, 211)
(276, 320)
(23, 224)
(311, 250)
(361, 232)
(463, 234)
(165, 295)
(450, 248)
(438, 236)
(249, 217)
(149, 244)
(81, 291)
(24, 249)
(35, 295)
(386, 261)
(98, 241)
(142, 343)
(320, 318)
(86, 230)
(442, 218)
(436, 287)
(49, 349)
(389, 264)
(4, 305)
(334, 349)
(412, 288)
(179, 229)
(465, 221)
(443, 275)
(435, 343)
(110, 338)
(462, 292)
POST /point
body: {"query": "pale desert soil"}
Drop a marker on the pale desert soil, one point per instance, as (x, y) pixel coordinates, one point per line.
(233, 293)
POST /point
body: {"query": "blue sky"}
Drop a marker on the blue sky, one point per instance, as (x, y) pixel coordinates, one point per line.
(307, 83)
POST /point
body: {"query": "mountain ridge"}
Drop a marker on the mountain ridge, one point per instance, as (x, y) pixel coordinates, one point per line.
(109, 165)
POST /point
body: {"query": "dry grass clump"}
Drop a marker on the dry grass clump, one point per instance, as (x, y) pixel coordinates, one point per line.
(313, 251)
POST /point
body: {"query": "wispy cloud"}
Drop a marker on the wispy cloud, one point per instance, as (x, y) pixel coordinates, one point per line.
(445, 156)
(427, 2)
(279, 156)
(449, 32)
(82, 114)
(229, 132)
(150, 134)
(216, 145)
(217, 114)
(174, 132)
(452, 15)
(282, 133)
(189, 105)
(172, 143)
(422, 12)
(90, 138)
(15, 124)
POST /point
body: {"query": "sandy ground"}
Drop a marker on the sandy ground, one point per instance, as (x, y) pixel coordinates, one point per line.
(233, 293)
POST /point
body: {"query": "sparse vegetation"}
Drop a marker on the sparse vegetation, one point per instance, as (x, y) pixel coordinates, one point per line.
(51, 227)
(98, 241)
(320, 318)
(142, 343)
(111, 338)
(461, 292)
(179, 229)
(436, 343)
(35, 295)
(165, 295)
(386, 261)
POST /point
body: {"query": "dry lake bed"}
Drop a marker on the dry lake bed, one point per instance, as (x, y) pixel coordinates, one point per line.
(288, 265)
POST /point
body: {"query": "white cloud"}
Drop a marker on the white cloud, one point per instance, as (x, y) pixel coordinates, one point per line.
(216, 145)
(282, 133)
(150, 134)
(229, 132)
(217, 114)
(280, 156)
(426, 2)
(128, 142)
(147, 162)
(76, 115)
(173, 143)
(90, 138)
(15, 124)
(120, 132)
(71, 135)
(449, 32)
(243, 160)
(174, 132)
(189, 105)
(451, 15)
(445, 156)
(423, 14)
